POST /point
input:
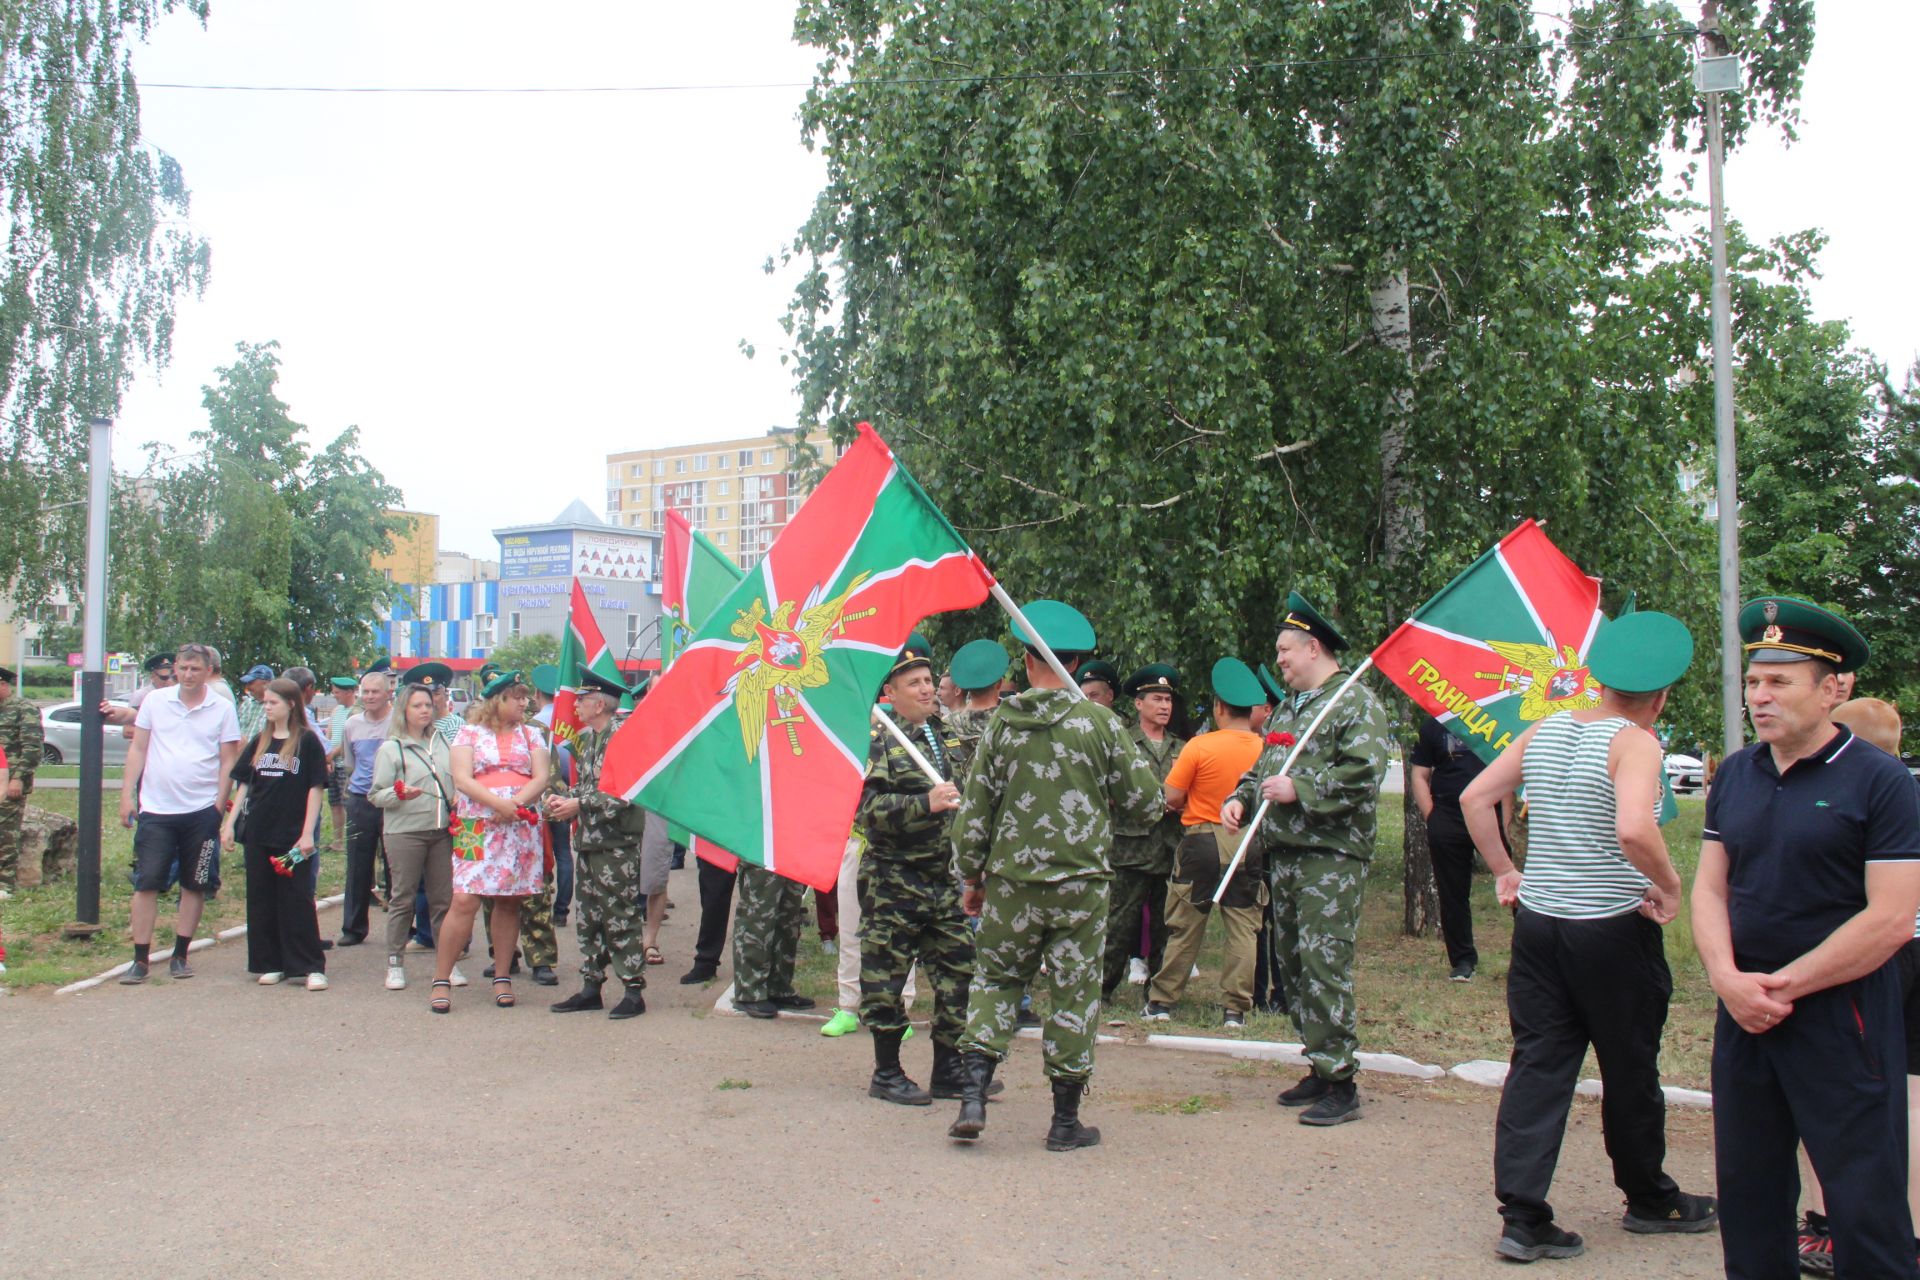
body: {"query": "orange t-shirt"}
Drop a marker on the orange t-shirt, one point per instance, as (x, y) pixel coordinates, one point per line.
(1209, 768)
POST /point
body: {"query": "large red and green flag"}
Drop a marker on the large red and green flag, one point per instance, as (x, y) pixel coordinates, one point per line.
(695, 578)
(582, 648)
(756, 738)
(1503, 645)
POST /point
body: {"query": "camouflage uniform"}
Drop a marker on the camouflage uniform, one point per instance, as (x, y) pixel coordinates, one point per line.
(968, 724)
(766, 932)
(21, 736)
(1141, 864)
(1317, 852)
(606, 845)
(909, 897)
(1053, 776)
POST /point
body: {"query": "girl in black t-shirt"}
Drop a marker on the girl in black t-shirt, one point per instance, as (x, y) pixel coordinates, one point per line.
(280, 783)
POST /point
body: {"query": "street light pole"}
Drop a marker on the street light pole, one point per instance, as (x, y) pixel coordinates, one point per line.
(1713, 76)
(93, 681)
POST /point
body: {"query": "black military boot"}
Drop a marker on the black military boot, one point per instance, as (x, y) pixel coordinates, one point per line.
(1066, 1132)
(631, 1005)
(890, 1083)
(588, 997)
(950, 1074)
(973, 1098)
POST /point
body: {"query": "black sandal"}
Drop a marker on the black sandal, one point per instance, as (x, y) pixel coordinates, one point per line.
(503, 998)
(442, 1003)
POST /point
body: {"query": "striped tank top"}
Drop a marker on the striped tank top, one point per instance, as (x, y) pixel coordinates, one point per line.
(1575, 869)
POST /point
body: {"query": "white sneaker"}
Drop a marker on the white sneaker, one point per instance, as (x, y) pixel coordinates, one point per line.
(1137, 972)
(272, 979)
(316, 982)
(396, 976)
(459, 978)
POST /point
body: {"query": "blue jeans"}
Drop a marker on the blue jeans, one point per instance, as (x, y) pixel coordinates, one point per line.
(562, 865)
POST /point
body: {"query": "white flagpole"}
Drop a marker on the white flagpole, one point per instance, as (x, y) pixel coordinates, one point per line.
(1253, 823)
(1005, 601)
(925, 765)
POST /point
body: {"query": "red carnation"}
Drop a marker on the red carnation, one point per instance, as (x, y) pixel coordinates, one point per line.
(1278, 739)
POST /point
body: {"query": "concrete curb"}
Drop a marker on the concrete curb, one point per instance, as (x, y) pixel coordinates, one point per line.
(198, 944)
(724, 1007)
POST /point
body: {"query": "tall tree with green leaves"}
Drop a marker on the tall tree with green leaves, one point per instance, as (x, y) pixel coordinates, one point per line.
(98, 253)
(1179, 304)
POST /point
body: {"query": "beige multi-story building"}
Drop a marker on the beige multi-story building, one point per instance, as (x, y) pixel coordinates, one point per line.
(740, 493)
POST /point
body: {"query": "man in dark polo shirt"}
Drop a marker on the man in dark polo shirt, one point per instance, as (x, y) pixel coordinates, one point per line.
(1808, 883)
(1443, 765)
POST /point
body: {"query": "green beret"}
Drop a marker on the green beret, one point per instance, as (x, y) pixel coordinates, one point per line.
(1302, 616)
(428, 675)
(1234, 683)
(979, 664)
(487, 671)
(1276, 692)
(1098, 669)
(343, 682)
(159, 660)
(545, 678)
(502, 682)
(594, 682)
(1782, 629)
(1064, 628)
(1640, 652)
(1155, 677)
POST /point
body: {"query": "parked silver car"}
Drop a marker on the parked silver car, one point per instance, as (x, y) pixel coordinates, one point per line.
(61, 724)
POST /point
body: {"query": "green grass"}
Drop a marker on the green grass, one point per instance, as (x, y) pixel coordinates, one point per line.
(731, 1083)
(1407, 1005)
(37, 955)
(46, 771)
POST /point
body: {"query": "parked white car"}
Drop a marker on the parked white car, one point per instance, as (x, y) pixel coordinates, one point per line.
(61, 725)
(1686, 773)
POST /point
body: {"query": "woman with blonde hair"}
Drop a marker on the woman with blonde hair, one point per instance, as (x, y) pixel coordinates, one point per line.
(499, 771)
(279, 784)
(413, 786)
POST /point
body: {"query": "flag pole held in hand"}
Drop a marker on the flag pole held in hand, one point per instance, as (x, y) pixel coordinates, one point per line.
(1253, 823)
(919, 758)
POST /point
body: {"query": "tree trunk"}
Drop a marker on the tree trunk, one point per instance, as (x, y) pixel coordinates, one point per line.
(1422, 894)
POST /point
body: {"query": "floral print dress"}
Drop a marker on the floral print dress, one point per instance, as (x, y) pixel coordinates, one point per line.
(511, 856)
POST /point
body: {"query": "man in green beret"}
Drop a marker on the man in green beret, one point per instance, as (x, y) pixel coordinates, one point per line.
(1589, 965)
(910, 909)
(978, 668)
(1318, 837)
(1054, 775)
(1099, 681)
(23, 742)
(606, 842)
(1142, 860)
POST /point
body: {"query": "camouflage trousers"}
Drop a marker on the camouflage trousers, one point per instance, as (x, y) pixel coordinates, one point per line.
(606, 885)
(1022, 926)
(12, 813)
(767, 916)
(1134, 890)
(910, 913)
(1316, 913)
(538, 942)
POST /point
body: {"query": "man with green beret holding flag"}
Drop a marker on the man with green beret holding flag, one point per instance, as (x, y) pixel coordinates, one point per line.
(978, 668)
(1054, 775)
(1142, 860)
(1589, 964)
(1318, 838)
(1808, 883)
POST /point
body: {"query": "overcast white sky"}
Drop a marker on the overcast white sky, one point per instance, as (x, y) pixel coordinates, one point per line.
(509, 287)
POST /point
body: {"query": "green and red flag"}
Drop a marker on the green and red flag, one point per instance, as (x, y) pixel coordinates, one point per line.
(695, 577)
(1503, 645)
(756, 738)
(582, 648)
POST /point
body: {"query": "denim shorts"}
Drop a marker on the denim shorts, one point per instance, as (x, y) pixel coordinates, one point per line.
(190, 839)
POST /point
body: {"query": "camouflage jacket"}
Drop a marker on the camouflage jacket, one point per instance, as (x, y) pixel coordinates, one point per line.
(969, 724)
(21, 738)
(1337, 775)
(895, 819)
(1152, 851)
(1053, 777)
(605, 822)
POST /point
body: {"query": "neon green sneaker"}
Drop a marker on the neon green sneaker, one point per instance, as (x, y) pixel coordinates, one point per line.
(840, 1023)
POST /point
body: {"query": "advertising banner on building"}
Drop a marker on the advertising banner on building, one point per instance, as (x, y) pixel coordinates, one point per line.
(545, 554)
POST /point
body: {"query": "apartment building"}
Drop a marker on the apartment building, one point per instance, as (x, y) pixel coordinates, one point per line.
(740, 493)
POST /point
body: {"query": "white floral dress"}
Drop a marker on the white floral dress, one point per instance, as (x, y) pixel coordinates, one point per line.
(510, 864)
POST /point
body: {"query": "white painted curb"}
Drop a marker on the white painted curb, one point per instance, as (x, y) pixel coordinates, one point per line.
(198, 944)
(724, 1006)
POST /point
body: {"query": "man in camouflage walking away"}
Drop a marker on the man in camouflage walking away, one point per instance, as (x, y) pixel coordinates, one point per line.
(606, 847)
(1142, 862)
(22, 741)
(909, 896)
(1053, 776)
(1318, 834)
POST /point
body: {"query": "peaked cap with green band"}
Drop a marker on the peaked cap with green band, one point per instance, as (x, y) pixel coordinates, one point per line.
(1642, 652)
(428, 675)
(546, 678)
(158, 660)
(1234, 683)
(1064, 628)
(1302, 616)
(488, 670)
(917, 653)
(979, 664)
(1098, 669)
(1782, 629)
(1276, 692)
(1155, 677)
(593, 682)
(502, 682)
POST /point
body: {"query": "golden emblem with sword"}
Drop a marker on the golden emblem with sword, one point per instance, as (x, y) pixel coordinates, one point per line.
(1546, 682)
(786, 657)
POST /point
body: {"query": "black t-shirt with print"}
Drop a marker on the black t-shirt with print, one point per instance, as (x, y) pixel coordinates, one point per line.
(277, 787)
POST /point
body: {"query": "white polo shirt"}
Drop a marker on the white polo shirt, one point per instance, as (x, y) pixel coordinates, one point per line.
(182, 773)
